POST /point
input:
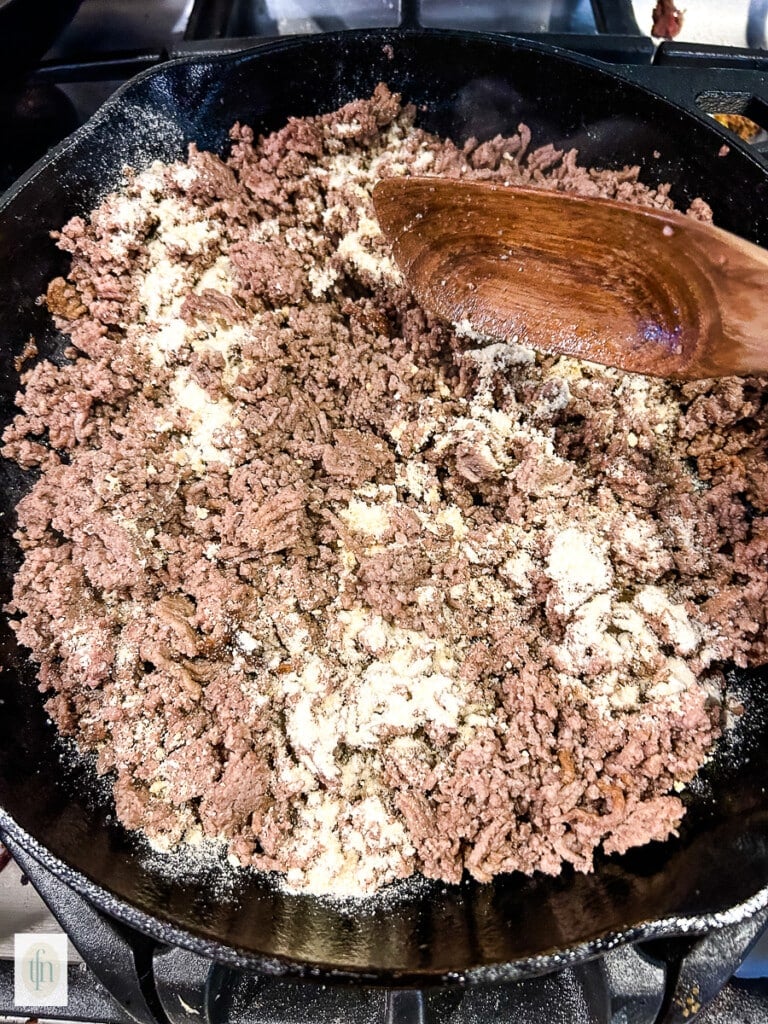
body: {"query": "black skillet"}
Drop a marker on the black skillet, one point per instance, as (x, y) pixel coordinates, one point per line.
(716, 871)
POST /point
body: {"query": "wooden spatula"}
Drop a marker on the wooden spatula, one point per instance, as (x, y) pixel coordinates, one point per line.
(643, 290)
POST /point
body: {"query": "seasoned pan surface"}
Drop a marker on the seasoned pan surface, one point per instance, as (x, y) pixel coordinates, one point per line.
(463, 85)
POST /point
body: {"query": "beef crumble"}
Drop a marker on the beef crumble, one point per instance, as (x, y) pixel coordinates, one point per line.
(348, 589)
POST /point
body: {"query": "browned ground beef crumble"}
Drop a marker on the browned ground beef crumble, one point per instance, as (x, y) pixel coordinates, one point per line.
(320, 576)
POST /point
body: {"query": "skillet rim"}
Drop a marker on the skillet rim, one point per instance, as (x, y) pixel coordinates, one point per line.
(292, 968)
(387, 35)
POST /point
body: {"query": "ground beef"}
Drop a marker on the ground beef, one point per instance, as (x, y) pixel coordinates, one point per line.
(346, 588)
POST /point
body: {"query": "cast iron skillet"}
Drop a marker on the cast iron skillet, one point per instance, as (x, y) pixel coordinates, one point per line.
(716, 871)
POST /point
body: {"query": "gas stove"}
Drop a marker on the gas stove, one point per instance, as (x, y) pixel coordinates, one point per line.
(116, 974)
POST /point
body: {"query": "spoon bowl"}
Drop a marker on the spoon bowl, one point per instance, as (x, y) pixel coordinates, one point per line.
(644, 290)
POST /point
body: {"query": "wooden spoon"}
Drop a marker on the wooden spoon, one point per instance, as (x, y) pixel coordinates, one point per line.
(639, 289)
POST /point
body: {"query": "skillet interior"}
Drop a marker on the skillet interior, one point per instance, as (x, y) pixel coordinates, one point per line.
(463, 85)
